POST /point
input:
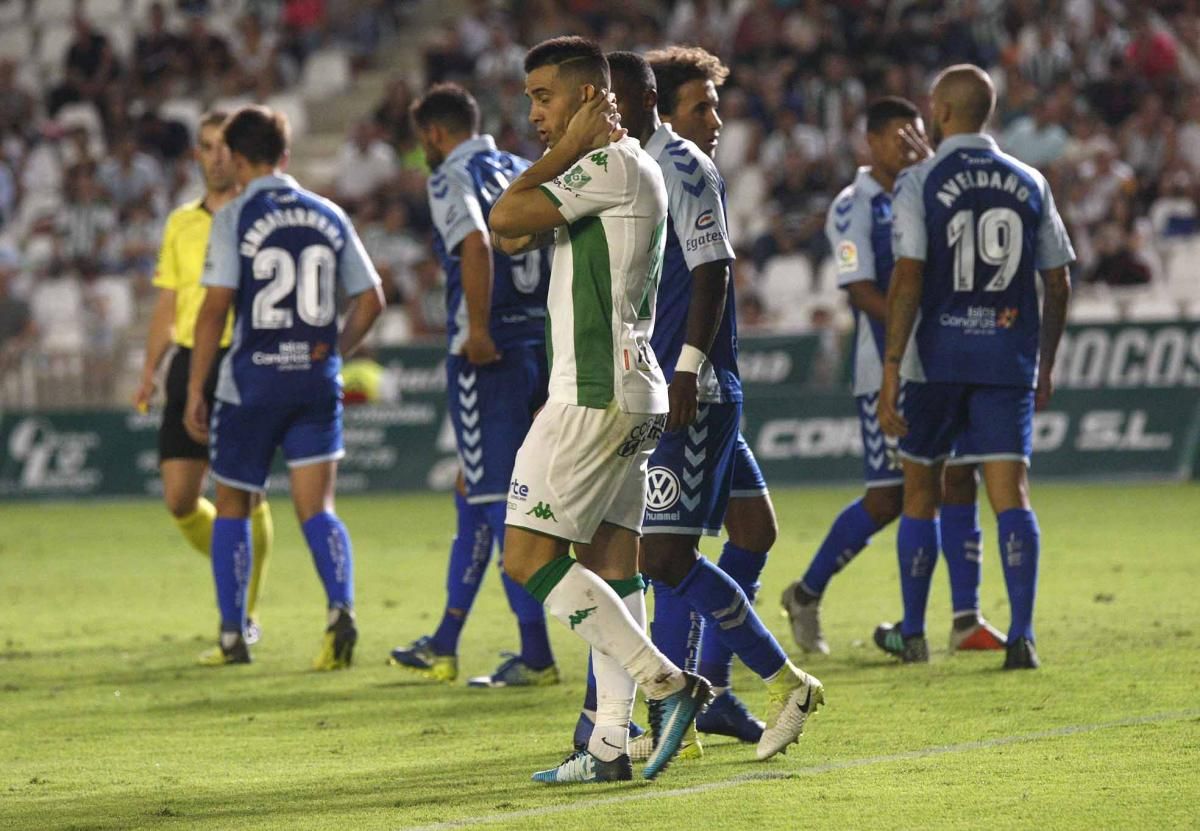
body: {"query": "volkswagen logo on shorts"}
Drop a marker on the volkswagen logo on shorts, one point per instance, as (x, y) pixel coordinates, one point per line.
(662, 489)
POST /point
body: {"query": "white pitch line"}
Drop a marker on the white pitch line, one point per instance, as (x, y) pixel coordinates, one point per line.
(812, 770)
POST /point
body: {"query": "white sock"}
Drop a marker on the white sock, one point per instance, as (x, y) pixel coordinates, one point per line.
(589, 607)
(615, 692)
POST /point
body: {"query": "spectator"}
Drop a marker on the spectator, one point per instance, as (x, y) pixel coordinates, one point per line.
(1152, 52)
(395, 250)
(1038, 139)
(130, 176)
(16, 105)
(426, 305)
(90, 67)
(503, 61)
(205, 56)
(1173, 214)
(1116, 264)
(87, 221)
(365, 163)
(156, 51)
(17, 332)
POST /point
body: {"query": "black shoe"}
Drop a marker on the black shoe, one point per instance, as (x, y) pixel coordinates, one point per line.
(1020, 654)
(220, 655)
(337, 650)
(912, 649)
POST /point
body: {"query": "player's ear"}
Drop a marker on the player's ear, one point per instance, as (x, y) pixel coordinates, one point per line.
(651, 99)
(588, 92)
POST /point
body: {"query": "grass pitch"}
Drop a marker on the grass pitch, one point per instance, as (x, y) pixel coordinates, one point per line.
(107, 723)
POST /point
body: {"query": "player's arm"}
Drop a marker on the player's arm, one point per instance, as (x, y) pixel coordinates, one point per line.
(363, 311)
(910, 245)
(525, 208)
(364, 288)
(1054, 319)
(162, 322)
(1054, 255)
(477, 277)
(710, 284)
(210, 323)
(903, 302)
(848, 229)
(868, 299)
(515, 246)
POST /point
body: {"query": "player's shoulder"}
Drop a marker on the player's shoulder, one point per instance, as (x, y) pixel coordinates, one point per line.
(915, 175)
(1029, 172)
(186, 212)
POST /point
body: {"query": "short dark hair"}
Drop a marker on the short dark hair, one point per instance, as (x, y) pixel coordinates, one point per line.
(258, 134)
(881, 111)
(449, 105)
(583, 58)
(674, 66)
(633, 68)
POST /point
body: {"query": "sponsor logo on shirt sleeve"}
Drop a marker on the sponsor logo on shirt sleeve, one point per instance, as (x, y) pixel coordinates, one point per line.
(847, 256)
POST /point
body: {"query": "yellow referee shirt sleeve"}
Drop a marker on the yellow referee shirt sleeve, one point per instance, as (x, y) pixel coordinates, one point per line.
(166, 274)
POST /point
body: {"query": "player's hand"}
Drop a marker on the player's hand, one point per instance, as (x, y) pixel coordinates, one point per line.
(480, 349)
(915, 144)
(145, 391)
(1045, 389)
(597, 123)
(195, 417)
(684, 400)
(890, 420)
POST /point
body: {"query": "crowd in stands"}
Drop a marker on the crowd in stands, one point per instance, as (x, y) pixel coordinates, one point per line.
(1102, 96)
(99, 105)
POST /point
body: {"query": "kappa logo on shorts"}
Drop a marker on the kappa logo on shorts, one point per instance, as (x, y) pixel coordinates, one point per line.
(542, 511)
(662, 489)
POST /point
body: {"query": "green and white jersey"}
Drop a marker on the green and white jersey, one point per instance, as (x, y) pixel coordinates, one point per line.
(604, 280)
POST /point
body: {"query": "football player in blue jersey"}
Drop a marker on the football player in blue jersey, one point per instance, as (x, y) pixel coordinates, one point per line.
(278, 255)
(859, 229)
(692, 471)
(972, 230)
(496, 376)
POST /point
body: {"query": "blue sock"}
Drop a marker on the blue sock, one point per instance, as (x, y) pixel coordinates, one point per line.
(850, 533)
(231, 553)
(531, 616)
(330, 547)
(589, 695)
(1020, 547)
(962, 547)
(676, 629)
(715, 595)
(917, 546)
(469, 555)
(744, 566)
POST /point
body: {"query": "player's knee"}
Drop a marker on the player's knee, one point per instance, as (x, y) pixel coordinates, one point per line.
(668, 558)
(752, 525)
(181, 505)
(883, 505)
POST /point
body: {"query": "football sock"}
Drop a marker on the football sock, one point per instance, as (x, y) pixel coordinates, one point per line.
(917, 547)
(262, 538)
(197, 527)
(677, 627)
(231, 555)
(615, 690)
(330, 546)
(726, 610)
(962, 548)
(848, 535)
(531, 617)
(589, 693)
(469, 555)
(784, 681)
(587, 606)
(744, 566)
(1020, 547)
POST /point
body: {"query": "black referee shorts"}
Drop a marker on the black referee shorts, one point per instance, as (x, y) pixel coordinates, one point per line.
(173, 440)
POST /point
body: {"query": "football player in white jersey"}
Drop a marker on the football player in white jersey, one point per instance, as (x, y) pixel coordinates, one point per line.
(580, 476)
